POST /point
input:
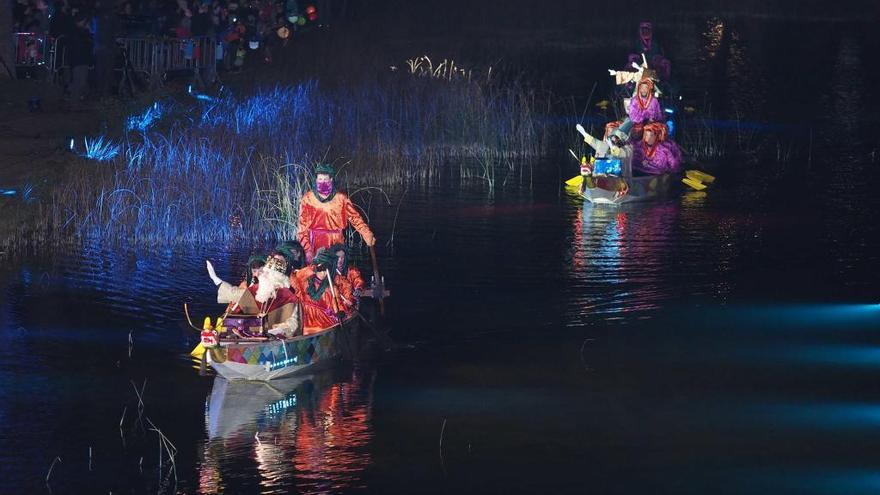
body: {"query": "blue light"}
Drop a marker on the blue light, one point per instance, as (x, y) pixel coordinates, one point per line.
(669, 110)
(71, 144)
(282, 405)
(831, 416)
(7, 192)
(100, 149)
(837, 355)
(801, 317)
(277, 365)
(189, 89)
(143, 121)
(827, 481)
(607, 166)
(671, 126)
(27, 192)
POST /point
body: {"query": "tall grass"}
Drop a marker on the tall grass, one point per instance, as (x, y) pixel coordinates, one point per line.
(215, 170)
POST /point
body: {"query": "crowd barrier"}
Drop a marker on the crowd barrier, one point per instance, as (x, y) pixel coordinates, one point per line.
(156, 57)
(151, 57)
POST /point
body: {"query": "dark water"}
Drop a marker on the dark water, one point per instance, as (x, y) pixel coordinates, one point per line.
(723, 342)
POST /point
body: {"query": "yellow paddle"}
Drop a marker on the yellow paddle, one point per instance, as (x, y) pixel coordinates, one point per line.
(697, 179)
(700, 176)
(694, 184)
(577, 180)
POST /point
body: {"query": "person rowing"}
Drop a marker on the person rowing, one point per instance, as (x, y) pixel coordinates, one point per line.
(325, 213)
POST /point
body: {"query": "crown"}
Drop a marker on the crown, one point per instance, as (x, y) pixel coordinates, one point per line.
(274, 263)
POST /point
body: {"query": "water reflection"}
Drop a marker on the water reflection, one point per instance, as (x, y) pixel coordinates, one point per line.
(731, 76)
(308, 433)
(618, 258)
(844, 106)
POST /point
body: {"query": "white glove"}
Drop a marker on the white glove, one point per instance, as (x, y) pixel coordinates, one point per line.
(212, 273)
(612, 72)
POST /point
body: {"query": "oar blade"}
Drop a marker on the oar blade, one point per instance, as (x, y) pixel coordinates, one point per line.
(700, 176)
(697, 185)
(575, 181)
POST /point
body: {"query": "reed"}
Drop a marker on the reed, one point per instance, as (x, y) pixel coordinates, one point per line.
(219, 169)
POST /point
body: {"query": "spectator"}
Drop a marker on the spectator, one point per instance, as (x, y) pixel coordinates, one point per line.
(81, 57)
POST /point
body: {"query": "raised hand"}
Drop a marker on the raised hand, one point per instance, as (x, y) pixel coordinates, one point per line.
(212, 273)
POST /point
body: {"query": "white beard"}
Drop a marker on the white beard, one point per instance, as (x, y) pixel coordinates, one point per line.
(270, 282)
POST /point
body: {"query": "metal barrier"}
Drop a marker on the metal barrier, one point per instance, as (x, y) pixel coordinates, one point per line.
(40, 51)
(156, 57)
(149, 56)
(58, 57)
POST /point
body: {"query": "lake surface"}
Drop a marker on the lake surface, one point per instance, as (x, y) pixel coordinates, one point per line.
(718, 342)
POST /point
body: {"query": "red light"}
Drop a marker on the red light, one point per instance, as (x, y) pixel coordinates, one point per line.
(313, 16)
(311, 10)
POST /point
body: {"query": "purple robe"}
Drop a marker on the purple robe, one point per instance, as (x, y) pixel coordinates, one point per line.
(666, 158)
(651, 114)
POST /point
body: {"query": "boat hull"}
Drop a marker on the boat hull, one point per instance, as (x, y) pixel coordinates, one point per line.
(263, 361)
(642, 188)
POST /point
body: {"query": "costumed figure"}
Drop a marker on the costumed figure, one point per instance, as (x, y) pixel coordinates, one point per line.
(622, 77)
(295, 255)
(656, 154)
(351, 273)
(640, 96)
(325, 213)
(644, 107)
(323, 305)
(652, 51)
(270, 298)
(614, 145)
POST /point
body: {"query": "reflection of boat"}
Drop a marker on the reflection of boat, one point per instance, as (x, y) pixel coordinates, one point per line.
(302, 434)
(268, 359)
(637, 188)
(234, 406)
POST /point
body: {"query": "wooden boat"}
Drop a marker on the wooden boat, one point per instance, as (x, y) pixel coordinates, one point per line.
(637, 188)
(269, 358)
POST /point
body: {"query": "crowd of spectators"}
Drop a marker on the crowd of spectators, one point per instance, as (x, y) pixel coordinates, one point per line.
(242, 29)
(252, 19)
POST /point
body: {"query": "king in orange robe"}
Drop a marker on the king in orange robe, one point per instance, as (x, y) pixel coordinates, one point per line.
(325, 213)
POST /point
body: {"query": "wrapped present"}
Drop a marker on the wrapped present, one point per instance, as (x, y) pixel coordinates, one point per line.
(244, 325)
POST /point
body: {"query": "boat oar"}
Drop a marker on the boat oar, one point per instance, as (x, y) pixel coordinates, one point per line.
(378, 285)
(388, 342)
(343, 332)
(577, 180)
